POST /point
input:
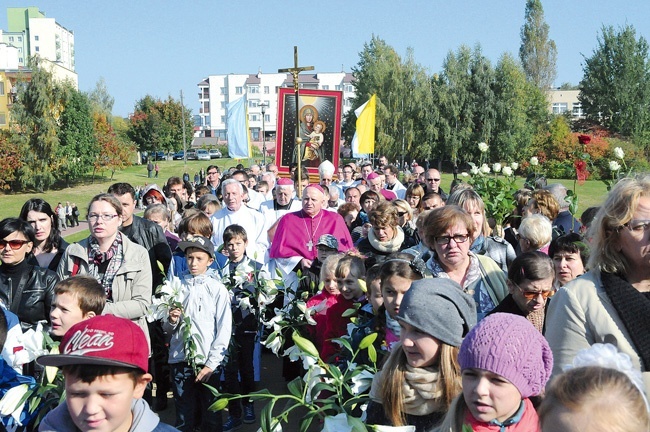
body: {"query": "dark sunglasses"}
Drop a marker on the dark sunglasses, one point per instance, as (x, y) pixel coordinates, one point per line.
(13, 244)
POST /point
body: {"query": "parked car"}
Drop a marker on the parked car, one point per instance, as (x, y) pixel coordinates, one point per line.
(160, 155)
(215, 154)
(191, 155)
(179, 156)
(203, 155)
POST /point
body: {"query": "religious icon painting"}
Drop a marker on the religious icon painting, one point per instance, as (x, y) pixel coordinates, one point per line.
(319, 126)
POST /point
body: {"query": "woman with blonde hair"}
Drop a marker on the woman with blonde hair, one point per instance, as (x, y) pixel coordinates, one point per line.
(422, 376)
(535, 233)
(406, 222)
(414, 194)
(611, 302)
(385, 235)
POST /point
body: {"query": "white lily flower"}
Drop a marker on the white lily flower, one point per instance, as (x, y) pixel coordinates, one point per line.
(32, 343)
(474, 170)
(507, 171)
(308, 316)
(337, 423)
(9, 404)
(274, 345)
(361, 382)
(614, 166)
(534, 161)
(485, 169)
(483, 147)
(618, 152)
(294, 353)
(496, 167)
(320, 306)
(464, 174)
(245, 303)
(514, 166)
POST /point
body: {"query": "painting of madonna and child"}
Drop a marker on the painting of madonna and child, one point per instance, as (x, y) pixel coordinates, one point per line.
(319, 128)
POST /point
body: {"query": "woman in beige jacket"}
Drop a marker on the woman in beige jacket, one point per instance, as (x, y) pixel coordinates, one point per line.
(611, 302)
(121, 266)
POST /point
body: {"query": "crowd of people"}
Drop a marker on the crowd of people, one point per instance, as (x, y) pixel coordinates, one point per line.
(517, 325)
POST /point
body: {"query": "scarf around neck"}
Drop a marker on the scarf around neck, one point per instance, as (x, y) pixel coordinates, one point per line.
(114, 256)
(421, 390)
(388, 246)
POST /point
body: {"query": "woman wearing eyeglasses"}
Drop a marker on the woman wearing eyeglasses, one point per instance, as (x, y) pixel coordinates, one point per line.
(531, 282)
(447, 231)
(611, 302)
(121, 266)
(25, 289)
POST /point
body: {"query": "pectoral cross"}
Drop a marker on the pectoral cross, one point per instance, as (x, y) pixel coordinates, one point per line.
(295, 70)
(310, 245)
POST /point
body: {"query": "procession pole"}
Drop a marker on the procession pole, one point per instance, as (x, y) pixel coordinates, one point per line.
(295, 70)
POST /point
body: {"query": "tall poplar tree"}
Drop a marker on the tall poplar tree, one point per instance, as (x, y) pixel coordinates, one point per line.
(538, 53)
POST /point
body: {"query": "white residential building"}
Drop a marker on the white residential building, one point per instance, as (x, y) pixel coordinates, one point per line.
(217, 91)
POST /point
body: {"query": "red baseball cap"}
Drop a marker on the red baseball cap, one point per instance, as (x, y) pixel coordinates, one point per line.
(104, 340)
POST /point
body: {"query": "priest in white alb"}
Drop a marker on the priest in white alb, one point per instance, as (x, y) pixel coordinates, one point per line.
(235, 212)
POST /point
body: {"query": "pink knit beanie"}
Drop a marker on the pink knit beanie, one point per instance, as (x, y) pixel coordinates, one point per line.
(509, 345)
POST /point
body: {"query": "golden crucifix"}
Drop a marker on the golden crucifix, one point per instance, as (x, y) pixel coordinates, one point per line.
(295, 70)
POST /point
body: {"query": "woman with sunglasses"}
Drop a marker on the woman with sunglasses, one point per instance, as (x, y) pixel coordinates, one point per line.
(49, 245)
(25, 289)
(405, 221)
(447, 231)
(121, 266)
(531, 281)
(611, 302)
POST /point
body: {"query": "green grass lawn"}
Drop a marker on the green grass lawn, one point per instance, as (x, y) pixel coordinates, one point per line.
(590, 193)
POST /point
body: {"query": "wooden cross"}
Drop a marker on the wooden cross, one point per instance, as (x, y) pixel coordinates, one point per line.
(295, 70)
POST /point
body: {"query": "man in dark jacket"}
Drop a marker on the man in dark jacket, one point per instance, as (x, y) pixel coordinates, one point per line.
(150, 236)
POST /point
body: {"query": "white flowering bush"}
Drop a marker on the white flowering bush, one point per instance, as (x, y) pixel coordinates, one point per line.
(617, 170)
(497, 190)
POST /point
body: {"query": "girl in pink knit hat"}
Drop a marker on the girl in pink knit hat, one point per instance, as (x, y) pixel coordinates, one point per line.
(504, 362)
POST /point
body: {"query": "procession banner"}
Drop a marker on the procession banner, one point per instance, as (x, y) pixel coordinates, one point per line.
(239, 143)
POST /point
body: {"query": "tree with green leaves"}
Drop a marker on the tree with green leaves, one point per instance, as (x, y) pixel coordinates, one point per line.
(35, 117)
(100, 99)
(615, 89)
(521, 110)
(157, 125)
(404, 103)
(537, 52)
(78, 147)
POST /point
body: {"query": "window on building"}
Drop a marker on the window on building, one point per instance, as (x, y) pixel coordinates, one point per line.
(20, 38)
(576, 110)
(560, 107)
(223, 119)
(349, 88)
(253, 89)
(267, 118)
(3, 119)
(326, 87)
(266, 89)
(255, 117)
(205, 93)
(239, 90)
(36, 37)
(20, 60)
(207, 121)
(37, 49)
(223, 104)
(338, 87)
(2, 88)
(11, 38)
(253, 103)
(222, 90)
(206, 107)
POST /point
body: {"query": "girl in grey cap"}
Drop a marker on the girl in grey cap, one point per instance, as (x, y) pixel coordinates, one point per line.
(421, 376)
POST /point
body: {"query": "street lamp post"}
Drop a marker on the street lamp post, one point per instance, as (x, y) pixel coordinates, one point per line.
(263, 105)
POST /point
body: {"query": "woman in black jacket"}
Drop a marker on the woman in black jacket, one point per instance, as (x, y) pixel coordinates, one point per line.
(25, 289)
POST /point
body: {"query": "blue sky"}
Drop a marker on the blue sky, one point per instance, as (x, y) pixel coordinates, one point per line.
(160, 47)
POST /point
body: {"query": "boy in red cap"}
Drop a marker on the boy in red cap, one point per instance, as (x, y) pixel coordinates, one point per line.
(104, 362)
